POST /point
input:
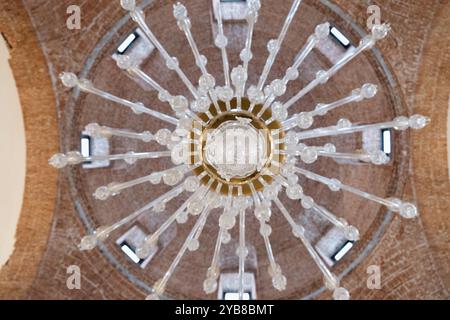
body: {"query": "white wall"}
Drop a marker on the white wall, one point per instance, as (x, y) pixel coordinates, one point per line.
(12, 156)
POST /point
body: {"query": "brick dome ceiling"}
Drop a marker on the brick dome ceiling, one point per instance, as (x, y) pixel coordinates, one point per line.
(112, 274)
(303, 275)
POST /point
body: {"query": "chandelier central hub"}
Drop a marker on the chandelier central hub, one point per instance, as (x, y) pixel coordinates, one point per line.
(236, 147)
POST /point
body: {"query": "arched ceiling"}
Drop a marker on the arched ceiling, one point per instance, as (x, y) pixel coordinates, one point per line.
(110, 274)
(299, 268)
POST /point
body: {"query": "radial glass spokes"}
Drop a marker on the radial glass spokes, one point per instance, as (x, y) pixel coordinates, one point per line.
(235, 148)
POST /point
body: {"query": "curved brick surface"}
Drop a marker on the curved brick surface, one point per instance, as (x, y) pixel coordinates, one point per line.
(413, 255)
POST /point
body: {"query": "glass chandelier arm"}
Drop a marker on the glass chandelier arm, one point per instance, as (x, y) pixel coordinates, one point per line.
(274, 46)
(246, 54)
(247, 50)
(194, 116)
(130, 157)
(213, 273)
(279, 86)
(61, 160)
(256, 93)
(102, 233)
(221, 42)
(255, 194)
(350, 232)
(89, 88)
(269, 250)
(175, 192)
(207, 81)
(329, 276)
(202, 224)
(134, 106)
(344, 126)
(376, 158)
(405, 209)
(217, 247)
(305, 120)
(322, 109)
(160, 286)
(336, 185)
(242, 253)
(321, 32)
(98, 131)
(227, 221)
(331, 281)
(70, 80)
(285, 213)
(148, 80)
(179, 104)
(184, 23)
(152, 239)
(170, 176)
(309, 154)
(252, 17)
(130, 65)
(367, 91)
(143, 136)
(279, 281)
(287, 124)
(378, 32)
(309, 87)
(172, 63)
(328, 215)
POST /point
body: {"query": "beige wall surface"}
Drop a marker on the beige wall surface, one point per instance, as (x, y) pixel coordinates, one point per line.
(12, 156)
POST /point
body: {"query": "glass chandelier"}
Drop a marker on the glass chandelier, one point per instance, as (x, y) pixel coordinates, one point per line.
(236, 147)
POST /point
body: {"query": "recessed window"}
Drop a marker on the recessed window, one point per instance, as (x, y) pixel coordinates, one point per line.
(235, 296)
(339, 37)
(94, 146)
(86, 149)
(229, 286)
(127, 43)
(130, 252)
(133, 239)
(343, 251)
(376, 139)
(386, 141)
(333, 246)
(232, 10)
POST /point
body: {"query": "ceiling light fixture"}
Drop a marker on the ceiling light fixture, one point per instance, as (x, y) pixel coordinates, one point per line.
(236, 147)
